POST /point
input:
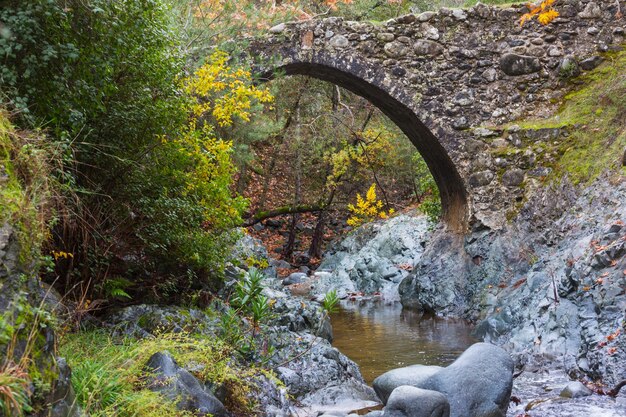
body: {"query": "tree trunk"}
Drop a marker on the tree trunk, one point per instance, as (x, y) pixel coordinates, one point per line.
(291, 241)
(277, 140)
(315, 251)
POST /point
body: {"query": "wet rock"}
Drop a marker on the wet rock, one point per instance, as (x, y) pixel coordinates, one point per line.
(177, 384)
(408, 401)
(514, 64)
(575, 389)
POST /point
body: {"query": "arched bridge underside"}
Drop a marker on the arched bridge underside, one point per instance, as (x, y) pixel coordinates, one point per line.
(453, 81)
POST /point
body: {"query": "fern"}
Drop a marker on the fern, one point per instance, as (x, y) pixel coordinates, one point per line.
(116, 288)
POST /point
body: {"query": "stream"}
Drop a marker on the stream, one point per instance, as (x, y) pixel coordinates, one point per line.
(380, 337)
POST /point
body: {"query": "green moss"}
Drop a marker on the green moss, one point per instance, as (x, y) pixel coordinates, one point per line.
(24, 187)
(594, 116)
(109, 378)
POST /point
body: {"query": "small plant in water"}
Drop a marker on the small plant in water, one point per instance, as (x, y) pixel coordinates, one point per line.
(330, 301)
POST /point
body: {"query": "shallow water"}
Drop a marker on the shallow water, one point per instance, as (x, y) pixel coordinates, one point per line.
(380, 337)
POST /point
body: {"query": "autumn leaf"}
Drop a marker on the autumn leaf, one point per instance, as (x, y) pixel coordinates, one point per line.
(544, 13)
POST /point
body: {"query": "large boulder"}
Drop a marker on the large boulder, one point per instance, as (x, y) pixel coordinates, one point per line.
(477, 384)
(317, 375)
(411, 375)
(407, 401)
(373, 258)
(178, 385)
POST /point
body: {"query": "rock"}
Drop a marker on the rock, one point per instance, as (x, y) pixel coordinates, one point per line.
(369, 259)
(459, 14)
(490, 75)
(569, 67)
(477, 384)
(295, 278)
(179, 385)
(575, 389)
(406, 19)
(298, 315)
(480, 179)
(63, 397)
(273, 223)
(426, 47)
(483, 132)
(411, 375)
(460, 123)
(396, 49)
(513, 177)
(341, 398)
(593, 31)
(591, 63)
(385, 36)
(426, 16)
(591, 11)
(339, 41)
(514, 64)
(408, 401)
(144, 320)
(279, 28)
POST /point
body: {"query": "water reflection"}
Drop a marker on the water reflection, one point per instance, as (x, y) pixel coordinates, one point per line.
(381, 337)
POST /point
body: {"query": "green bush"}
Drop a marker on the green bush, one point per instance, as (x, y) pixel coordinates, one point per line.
(105, 80)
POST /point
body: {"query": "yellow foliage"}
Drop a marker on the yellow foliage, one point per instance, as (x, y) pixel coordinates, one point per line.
(367, 209)
(224, 92)
(368, 152)
(545, 13)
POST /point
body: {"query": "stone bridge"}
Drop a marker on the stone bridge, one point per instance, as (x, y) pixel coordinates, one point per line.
(455, 81)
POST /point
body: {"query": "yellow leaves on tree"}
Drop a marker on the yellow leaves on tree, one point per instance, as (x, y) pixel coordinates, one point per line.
(544, 12)
(223, 92)
(367, 209)
(366, 153)
(199, 158)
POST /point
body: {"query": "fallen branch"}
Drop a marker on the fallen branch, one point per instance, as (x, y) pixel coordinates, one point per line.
(296, 209)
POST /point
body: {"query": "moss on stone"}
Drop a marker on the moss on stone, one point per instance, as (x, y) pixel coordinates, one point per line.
(595, 115)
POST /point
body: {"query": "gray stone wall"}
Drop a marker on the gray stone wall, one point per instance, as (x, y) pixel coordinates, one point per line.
(451, 80)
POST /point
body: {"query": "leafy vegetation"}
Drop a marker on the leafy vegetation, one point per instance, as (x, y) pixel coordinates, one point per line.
(14, 391)
(140, 145)
(109, 378)
(367, 209)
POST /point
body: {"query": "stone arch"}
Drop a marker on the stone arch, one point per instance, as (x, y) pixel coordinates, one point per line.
(373, 85)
